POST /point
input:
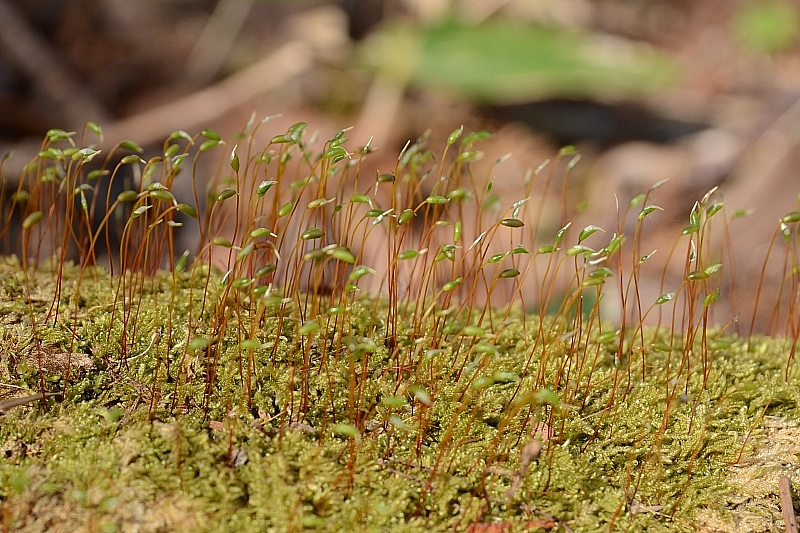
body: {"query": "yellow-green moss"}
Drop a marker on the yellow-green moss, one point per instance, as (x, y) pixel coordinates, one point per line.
(341, 432)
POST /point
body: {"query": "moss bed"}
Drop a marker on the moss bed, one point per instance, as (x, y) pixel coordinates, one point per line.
(502, 424)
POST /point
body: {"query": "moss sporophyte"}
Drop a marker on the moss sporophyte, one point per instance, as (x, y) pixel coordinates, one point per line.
(410, 352)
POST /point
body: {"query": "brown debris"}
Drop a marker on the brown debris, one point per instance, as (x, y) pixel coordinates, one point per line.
(498, 527)
(787, 507)
(51, 358)
(529, 453)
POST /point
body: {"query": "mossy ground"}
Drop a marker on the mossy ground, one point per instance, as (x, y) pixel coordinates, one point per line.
(343, 428)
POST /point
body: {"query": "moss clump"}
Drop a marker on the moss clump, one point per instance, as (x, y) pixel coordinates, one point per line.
(276, 394)
(334, 431)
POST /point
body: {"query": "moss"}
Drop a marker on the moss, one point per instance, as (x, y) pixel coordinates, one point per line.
(435, 447)
(198, 400)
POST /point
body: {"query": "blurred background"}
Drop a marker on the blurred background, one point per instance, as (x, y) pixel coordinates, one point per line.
(701, 92)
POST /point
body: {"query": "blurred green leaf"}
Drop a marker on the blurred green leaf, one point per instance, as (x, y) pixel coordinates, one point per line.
(503, 62)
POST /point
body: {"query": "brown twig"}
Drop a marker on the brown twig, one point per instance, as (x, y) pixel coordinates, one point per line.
(202, 107)
(787, 507)
(5, 405)
(217, 39)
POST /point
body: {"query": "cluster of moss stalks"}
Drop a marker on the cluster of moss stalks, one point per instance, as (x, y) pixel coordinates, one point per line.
(277, 393)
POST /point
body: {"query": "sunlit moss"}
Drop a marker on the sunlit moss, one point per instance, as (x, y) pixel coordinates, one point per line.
(111, 445)
(195, 399)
